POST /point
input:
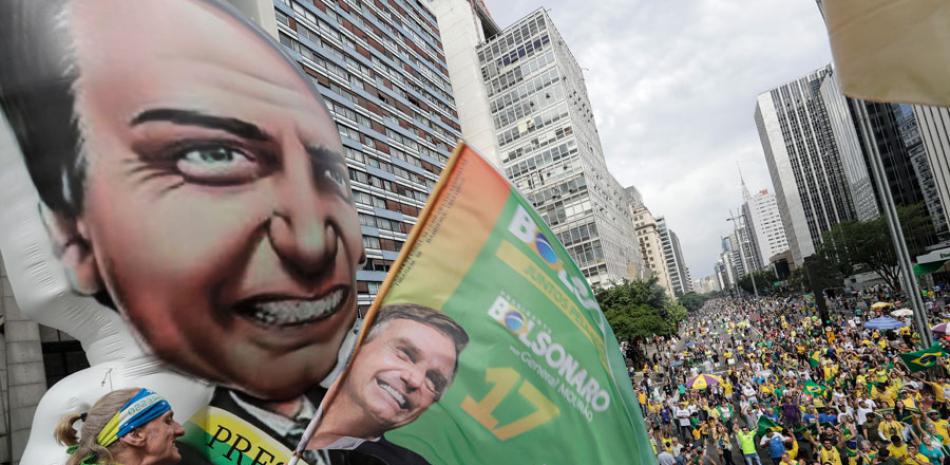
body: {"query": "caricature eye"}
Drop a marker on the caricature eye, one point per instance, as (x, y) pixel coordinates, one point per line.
(337, 177)
(217, 165)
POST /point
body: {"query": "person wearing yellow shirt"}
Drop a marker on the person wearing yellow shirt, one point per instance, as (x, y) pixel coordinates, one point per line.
(860, 381)
(727, 388)
(938, 391)
(828, 453)
(787, 459)
(898, 449)
(887, 395)
(941, 426)
(908, 399)
(889, 427)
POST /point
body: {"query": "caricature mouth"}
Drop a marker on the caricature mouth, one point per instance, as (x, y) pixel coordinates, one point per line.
(396, 395)
(292, 312)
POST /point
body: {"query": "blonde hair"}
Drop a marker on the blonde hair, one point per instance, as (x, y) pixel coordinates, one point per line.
(92, 423)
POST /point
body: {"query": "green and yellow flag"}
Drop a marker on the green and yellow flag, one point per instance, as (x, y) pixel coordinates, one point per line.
(543, 366)
(815, 389)
(766, 425)
(923, 359)
(814, 359)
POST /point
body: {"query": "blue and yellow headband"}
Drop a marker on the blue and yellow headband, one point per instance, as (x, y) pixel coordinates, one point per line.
(142, 408)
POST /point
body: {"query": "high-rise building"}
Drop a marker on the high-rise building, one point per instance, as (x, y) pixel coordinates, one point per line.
(804, 160)
(463, 25)
(651, 247)
(934, 126)
(751, 260)
(550, 149)
(724, 268)
(685, 277)
(707, 284)
(382, 72)
(760, 211)
(891, 131)
(850, 151)
(673, 256)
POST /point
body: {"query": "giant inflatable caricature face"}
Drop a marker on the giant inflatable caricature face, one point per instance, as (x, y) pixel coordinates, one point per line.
(191, 175)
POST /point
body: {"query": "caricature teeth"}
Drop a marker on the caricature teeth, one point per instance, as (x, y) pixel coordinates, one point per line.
(400, 399)
(295, 311)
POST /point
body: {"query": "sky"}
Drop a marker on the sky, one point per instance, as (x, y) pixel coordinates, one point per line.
(673, 85)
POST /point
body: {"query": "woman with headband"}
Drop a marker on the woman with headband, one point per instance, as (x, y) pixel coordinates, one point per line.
(127, 427)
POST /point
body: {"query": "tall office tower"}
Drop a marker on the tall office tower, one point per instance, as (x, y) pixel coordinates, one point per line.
(891, 131)
(463, 25)
(550, 149)
(685, 278)
(804, 160)
(856, 171)
(706, 284)
(760, 211)
(934, 126)
(651, 247)
(750, 258)
(727, 262)
(673, 257)
(381, 70)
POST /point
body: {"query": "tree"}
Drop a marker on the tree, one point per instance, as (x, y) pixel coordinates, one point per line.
(851, 247)
(640, 309)
(692, 301)
(763, 281)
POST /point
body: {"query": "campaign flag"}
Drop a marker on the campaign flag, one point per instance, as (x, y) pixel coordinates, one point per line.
(879, 52)
(814, 359)
(766, 425)
(542, 366)
(923, 359)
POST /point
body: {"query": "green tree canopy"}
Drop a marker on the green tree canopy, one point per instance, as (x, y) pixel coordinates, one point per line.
(852, 247)
(692, 301)
(763, 281)
(640, 309)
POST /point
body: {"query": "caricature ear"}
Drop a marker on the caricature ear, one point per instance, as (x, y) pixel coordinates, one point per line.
(74, 250)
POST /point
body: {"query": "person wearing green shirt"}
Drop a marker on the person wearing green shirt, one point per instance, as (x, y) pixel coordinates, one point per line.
(747, 444)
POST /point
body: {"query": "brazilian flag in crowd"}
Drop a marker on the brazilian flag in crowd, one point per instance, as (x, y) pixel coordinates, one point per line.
(815, 389)
(814, 359)
(923, 359)
(765, 425)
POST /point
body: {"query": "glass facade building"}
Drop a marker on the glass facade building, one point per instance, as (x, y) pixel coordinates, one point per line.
(549, 147)
(804, 160)
(380, 67)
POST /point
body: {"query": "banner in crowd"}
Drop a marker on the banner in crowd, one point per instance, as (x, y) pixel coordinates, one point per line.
(541, 365)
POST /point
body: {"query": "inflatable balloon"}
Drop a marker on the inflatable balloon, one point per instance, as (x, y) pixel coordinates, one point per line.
(175, 196)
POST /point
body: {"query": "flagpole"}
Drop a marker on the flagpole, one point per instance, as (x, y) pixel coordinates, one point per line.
(897, 234)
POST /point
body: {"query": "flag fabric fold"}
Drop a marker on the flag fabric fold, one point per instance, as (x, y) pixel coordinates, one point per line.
(766, 425)
(923, 359)
(891, 50)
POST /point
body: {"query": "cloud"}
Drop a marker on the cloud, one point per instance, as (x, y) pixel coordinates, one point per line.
(673, 87)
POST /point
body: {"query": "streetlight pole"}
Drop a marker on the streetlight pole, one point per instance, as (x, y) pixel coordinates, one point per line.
(897, 237)
(745, 264)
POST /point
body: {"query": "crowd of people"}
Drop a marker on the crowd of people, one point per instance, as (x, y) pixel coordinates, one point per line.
(768, 381)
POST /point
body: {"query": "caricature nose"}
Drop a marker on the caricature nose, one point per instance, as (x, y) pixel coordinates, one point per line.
(301, 229)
